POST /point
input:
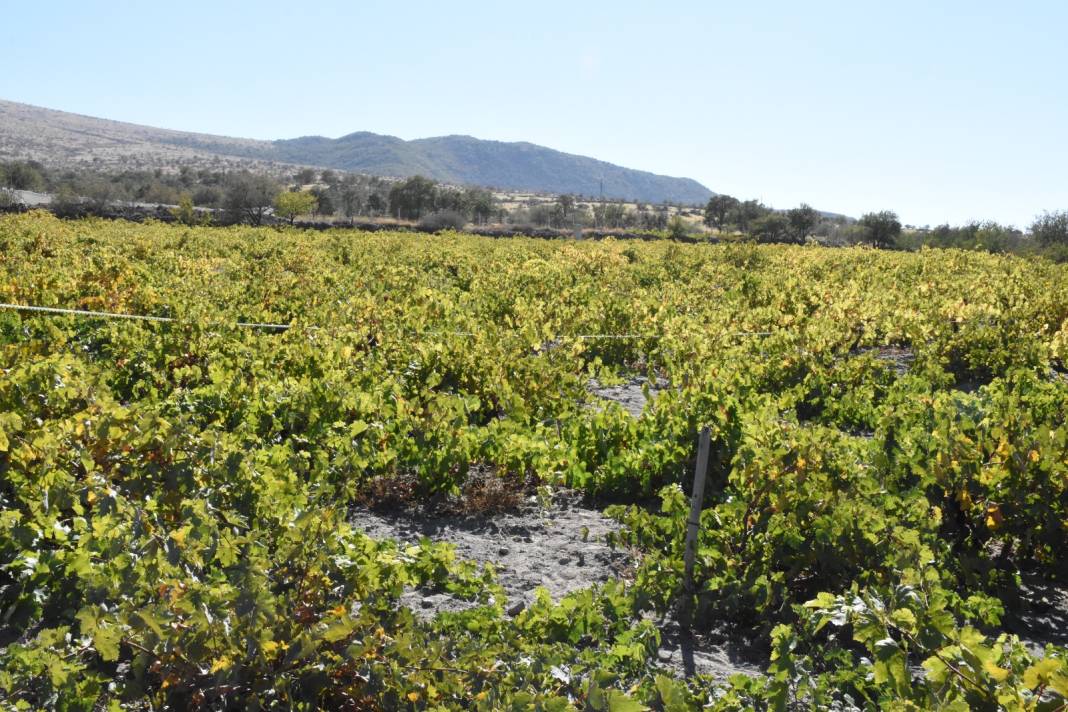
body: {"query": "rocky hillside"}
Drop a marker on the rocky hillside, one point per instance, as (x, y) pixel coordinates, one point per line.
(63, 139)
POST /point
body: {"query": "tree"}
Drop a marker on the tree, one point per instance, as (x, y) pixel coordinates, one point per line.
(249, 197)
(290, 203)
(567, 206)
(324, 203)
(882, 228)
(717, 209)
(375, 204)
(411, 198)
(975, 235)
(611, 215)
(305, 176)
(743, 214)
(772, 227)
(208, 196)
(450, 200)
(8, 200)
(546, 214)
(22, 176)
(99, 193)
(802, 220)
(481, 204)
(351, 198)
(1051, 229)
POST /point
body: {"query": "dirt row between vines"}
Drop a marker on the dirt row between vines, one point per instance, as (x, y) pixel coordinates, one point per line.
(561, 547)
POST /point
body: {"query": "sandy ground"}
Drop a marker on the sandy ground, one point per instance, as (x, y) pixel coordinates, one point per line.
(899, 358)
(32, 199)
(717, 657)
(629, 395)
(561, 547)
(1040, 616)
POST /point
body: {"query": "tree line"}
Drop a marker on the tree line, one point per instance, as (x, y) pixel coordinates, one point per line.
(1047, 234)
(245, 197)
(249, 198)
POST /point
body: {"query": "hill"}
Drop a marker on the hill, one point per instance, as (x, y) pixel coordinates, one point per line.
(62, 138)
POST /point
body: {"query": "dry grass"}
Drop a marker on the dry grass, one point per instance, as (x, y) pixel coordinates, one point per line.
(392, 492)
(484, 491)
(490, 493)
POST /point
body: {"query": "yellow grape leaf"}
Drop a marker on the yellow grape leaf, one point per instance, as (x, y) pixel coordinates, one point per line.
(1042, 672)
(998, 673)
(994, 518)
(179, 535)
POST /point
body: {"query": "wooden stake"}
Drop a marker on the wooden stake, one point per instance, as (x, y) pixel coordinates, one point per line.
(696, 501)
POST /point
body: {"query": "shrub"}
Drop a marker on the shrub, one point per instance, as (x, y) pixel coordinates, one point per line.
(444, 220)
(207, 196)
(186, 214)
(22, 176)
(677, 228)
(67, 204)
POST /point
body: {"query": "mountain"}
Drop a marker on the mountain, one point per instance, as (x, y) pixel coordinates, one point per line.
(65, 139)
(472, 161)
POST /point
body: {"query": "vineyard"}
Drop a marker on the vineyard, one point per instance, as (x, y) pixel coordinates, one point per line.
(182, 501)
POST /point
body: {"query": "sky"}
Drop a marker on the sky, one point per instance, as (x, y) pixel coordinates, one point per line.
(942, 110)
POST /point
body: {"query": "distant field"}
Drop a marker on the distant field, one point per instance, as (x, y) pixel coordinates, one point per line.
(512, 201)
(193, 510)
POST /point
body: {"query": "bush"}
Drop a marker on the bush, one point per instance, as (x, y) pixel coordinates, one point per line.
(66, 203)
(1055, 253)
(444, 220)
(22, 176)
(186, 214)
(677, 228)
(207, 196)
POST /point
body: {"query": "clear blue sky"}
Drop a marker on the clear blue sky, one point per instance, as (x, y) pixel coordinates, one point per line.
(942, 110)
